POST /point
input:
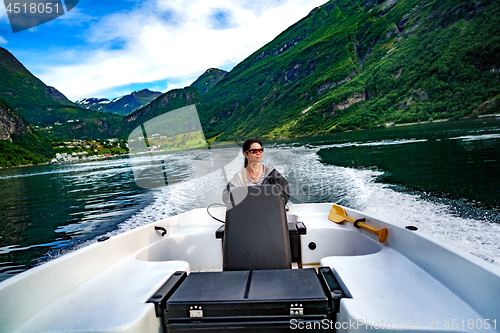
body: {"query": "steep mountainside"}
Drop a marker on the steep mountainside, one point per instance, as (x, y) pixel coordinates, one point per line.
(172, 100)
(19, 145)
(11, 122)
(25, 92)
(46, 106)
(175, 99)
(122, 105)
(362, 64)
(208, 79)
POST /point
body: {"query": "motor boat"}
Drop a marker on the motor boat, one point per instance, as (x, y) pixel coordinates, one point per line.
(265, 269)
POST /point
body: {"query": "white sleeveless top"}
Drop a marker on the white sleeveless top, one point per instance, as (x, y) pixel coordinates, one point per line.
(238, 179)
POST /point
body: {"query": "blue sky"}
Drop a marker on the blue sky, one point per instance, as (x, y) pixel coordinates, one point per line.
(111, 48)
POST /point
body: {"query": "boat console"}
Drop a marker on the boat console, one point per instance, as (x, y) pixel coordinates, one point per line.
(257, 289)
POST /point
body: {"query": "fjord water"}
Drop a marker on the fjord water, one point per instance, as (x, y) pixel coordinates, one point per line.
(443, 178)
(48, 210)
(454, 164)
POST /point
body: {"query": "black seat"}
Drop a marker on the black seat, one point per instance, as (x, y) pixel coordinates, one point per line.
(256, 230)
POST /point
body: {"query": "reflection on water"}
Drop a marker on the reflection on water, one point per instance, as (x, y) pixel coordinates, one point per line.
(49, 209)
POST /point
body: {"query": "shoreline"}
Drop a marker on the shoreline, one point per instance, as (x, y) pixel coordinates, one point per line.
(65, 162)
(445, 120)
(492, 115)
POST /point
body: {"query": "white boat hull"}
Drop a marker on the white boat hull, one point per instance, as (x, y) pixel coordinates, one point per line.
(410, 283)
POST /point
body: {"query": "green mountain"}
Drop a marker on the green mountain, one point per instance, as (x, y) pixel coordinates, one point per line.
(123, 105)
(175, 99)
(349, 64)
(208, 79)
(362, 64)
(25, 92)
(171, 100)
(46, 107)
(19, 144)
(49, 111)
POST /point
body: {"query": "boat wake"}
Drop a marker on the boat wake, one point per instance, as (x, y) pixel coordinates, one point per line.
(313, 181)
(473, 230)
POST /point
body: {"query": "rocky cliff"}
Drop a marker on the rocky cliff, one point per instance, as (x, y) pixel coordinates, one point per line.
(11, 123)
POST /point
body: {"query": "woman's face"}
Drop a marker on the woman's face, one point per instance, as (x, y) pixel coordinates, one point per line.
(257, 156)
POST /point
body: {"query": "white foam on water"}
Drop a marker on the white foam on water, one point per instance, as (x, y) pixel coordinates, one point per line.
(477, 137)
(478, 237)
(184, 196)
(373, 143)
(358, 189)
(71, 168)
(313, 181)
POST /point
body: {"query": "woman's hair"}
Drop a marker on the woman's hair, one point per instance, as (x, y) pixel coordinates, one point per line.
(247, 144)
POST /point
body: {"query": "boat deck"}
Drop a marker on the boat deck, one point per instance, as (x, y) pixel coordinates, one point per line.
(408, 284)
(386, 296)
(113, 301)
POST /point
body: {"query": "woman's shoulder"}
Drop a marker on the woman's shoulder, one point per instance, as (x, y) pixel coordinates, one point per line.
(237, 179)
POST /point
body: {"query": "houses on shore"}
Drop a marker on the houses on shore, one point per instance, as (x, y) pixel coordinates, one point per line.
(80, 150)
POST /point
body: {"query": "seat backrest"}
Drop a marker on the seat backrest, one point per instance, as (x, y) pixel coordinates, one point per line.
(256, 231)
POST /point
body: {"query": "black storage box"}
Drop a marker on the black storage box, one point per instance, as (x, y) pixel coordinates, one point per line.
(260, 300)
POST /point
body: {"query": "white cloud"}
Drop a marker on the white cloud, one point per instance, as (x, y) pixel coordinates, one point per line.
(2, 41)
(172, 40)
(74, 17)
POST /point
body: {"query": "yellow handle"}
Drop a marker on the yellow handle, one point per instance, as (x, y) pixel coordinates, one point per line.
(338, 214)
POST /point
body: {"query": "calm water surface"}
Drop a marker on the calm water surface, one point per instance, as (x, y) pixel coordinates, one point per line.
(46, 210)
(442, 177)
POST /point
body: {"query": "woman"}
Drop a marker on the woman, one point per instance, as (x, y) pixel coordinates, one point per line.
(256, 174)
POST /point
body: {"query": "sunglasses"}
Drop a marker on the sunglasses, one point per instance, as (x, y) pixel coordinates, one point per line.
(255, 151)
